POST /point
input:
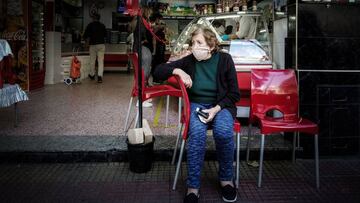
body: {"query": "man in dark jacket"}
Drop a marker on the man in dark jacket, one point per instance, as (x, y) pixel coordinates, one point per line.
(95, 33)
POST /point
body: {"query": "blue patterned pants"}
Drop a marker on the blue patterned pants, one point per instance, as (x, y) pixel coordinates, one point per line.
(222, 126)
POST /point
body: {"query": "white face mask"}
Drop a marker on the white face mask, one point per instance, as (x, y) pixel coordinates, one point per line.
(201, 53)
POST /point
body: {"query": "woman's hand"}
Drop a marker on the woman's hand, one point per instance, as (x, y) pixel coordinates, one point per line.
(180, 55)
(184, 77)
(212, 113)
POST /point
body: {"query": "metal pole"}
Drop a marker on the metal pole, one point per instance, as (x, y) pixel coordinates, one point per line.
(16, 114)
(139, 45)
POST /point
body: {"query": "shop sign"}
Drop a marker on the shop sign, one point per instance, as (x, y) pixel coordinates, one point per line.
(19, 35)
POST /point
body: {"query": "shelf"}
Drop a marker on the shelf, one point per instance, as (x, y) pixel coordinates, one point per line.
(78, 17)
(179, 17)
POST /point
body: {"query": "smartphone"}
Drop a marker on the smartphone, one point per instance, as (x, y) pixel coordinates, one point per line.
(201, 113)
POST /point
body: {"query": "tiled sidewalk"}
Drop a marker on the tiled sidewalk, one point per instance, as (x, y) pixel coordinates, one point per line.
(113, 182)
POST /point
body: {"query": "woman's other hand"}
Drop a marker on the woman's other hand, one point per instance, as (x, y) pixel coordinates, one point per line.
(212, 112)
(182, 54)
(184, 77)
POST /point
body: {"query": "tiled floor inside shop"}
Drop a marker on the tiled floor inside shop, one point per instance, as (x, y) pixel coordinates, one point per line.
(88, 108)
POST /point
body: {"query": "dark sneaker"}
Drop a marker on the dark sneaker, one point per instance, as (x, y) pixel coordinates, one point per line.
(191, 198)
(92, 77)
(99, 79)
(228, 193)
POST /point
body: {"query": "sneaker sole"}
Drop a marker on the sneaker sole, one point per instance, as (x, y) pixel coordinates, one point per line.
(227, 200)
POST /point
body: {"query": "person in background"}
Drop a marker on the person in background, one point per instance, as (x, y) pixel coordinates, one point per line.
(146, 40)
(159, 30)
(228, 32)
(210, 77)
(246, 29)
(95, 34)
(219, 26)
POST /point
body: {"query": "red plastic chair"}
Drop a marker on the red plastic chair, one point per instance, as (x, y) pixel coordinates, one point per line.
(147, 92)
(185, 119)
(173, 82)
(244, 84)
(278, 90)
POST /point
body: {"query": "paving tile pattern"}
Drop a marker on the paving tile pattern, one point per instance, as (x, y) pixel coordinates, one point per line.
(113, 182)
(106, 143)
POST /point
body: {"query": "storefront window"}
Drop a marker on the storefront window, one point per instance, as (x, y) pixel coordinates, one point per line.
(244, 35)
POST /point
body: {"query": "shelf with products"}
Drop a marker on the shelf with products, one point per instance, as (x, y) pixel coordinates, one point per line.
(37, 35)
(179, 17)
(36, 44)
(195, 8)
(121, 22)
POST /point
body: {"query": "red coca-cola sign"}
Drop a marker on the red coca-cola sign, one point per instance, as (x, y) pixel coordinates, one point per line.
(19, 35)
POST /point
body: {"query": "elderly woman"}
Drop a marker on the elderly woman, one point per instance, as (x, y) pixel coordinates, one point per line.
(210, 77)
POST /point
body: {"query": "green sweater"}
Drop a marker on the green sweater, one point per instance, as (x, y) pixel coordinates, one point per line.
(204, 87)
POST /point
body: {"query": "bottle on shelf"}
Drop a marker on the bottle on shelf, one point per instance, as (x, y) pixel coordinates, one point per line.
(236, 7)
(219, 8)
(227, 8)
(254, 7)
(244, 5)
(210, 9)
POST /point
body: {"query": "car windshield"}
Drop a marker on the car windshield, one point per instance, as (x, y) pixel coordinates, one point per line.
(244, 35)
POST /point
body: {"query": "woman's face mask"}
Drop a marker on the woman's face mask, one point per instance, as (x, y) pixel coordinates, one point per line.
(201, 53)
(200, 49)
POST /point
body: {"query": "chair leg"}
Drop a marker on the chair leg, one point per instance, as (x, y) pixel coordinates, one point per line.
(248, 144)
(167, 111)
(176, 145)
(261, 159)
(298, 139)
(136, 119)
(237, 159)
(317, 161)
(294, 148)
(179, 164)
(179, 106)
(16, 114)
(128, 113)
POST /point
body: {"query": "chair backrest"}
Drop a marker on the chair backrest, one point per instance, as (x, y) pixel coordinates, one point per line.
(134, 58)
(185, 117)
(274, 90)
(244, 84)
(244, 81)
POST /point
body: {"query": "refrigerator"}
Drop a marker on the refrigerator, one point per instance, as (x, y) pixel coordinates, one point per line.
(22, 25)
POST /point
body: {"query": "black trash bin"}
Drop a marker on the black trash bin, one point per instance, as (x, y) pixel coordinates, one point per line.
(140, 156)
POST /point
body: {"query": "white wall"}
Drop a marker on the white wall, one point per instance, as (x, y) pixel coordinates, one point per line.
(106, 12)
(53, 57)
(279, 35)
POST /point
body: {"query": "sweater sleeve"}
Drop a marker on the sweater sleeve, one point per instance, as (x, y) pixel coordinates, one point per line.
(233, 93)
(165, 70)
